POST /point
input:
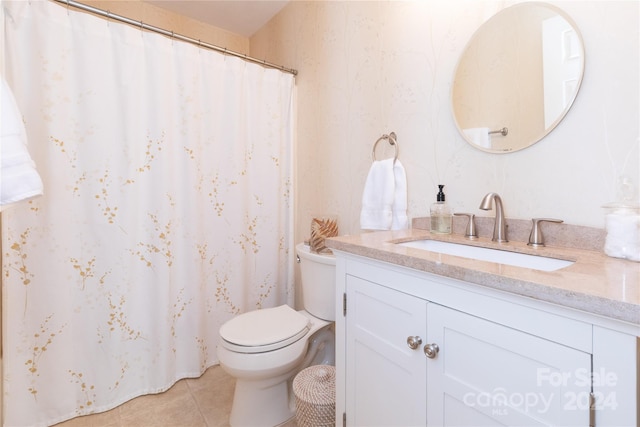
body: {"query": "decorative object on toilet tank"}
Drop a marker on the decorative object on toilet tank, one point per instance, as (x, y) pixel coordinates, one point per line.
(321, 229)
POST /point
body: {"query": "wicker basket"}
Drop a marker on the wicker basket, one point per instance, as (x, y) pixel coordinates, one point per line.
(315, 391)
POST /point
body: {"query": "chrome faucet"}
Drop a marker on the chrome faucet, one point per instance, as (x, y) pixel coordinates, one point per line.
(499, 225)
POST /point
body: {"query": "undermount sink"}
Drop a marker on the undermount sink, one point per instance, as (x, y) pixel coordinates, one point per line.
(534, 262)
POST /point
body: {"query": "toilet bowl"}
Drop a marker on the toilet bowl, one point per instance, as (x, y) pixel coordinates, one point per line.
(264, 349)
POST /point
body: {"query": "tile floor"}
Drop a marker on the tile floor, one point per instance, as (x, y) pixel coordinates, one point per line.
(200, 402)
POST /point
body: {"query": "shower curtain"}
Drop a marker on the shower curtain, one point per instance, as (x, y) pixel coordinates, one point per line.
(167, 210)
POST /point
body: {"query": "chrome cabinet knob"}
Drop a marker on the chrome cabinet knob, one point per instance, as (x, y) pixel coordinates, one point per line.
(414, 342)
(431, 350)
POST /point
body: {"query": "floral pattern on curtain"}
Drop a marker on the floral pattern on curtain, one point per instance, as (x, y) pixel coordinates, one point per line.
(167, 174)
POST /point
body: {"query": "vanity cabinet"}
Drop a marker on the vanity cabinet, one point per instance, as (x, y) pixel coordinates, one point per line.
(421, 349)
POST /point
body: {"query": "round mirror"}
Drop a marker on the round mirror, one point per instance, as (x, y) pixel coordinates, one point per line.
(517, 77)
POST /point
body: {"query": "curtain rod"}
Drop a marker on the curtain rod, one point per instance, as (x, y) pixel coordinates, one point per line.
(142, 25)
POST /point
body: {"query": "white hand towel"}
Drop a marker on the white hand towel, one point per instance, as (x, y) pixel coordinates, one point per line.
(384, 200)
(478, 136)
(19, 179)
(378, 196)
(399, 220)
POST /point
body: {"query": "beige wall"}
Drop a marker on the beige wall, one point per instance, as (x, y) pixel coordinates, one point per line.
(371, 67)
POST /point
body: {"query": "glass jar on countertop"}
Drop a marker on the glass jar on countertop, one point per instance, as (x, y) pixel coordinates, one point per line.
(622, 223)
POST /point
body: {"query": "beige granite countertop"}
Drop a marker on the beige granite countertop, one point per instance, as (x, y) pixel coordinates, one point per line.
(595, 283)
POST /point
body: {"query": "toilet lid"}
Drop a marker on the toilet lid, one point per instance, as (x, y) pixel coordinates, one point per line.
(271, 327)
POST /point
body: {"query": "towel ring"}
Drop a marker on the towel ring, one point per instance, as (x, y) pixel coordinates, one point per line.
(392, 141)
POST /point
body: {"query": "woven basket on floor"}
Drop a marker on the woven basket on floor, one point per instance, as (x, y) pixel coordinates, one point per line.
(315, 391)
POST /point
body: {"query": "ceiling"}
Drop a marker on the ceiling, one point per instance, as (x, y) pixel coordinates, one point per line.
(243, 17)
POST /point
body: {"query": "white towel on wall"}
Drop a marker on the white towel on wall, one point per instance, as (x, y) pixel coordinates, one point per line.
(478, 136)
(399, 219)
(384, 199)
(19, 179)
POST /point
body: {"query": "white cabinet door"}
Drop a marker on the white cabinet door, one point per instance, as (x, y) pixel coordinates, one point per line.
(487, 374)
(616, 377)
(385, 378)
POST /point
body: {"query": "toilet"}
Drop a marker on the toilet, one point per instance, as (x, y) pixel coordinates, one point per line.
(264, 349)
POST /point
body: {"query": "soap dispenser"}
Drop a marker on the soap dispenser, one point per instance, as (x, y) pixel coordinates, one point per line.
(440, 214)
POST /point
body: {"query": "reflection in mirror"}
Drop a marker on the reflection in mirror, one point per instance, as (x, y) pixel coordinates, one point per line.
(520, 71)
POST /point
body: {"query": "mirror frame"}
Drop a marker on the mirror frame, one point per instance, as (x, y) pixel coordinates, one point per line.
(499, 130)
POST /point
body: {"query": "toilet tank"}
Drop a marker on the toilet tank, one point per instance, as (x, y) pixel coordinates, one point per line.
(318, 282)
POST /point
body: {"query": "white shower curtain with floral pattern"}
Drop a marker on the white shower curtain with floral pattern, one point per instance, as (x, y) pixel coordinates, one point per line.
(167, 209)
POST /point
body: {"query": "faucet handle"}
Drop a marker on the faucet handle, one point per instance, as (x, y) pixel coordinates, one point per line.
(470, 232)
(535, 237)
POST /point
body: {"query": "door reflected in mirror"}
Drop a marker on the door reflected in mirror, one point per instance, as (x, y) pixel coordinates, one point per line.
(521, 71)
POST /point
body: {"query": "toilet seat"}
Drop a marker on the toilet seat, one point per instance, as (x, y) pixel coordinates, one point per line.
(264, 330)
